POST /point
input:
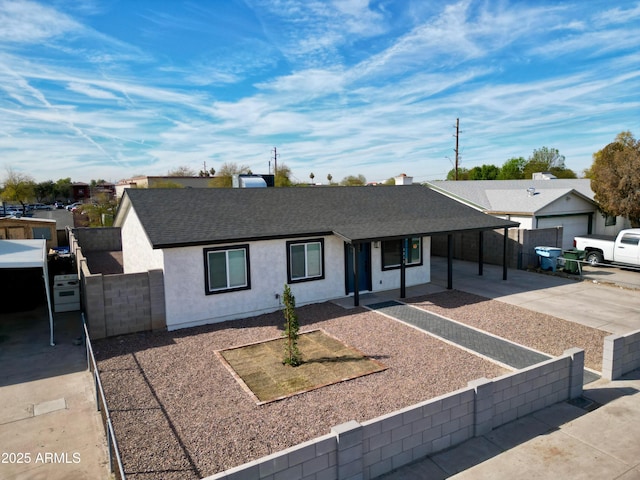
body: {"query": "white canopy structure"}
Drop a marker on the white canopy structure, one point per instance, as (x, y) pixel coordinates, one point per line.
(28, 254)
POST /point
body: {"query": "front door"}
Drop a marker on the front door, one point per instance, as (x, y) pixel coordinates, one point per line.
(364, 267)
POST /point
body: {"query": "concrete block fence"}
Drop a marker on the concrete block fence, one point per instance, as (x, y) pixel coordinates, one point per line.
(621, 355)
(105, 239)
(363, 451)
(122, 303)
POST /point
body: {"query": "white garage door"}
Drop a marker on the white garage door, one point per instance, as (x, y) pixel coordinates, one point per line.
(573, 226)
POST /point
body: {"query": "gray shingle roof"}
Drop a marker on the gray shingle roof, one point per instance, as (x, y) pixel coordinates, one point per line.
(180, 217)
(511, 195)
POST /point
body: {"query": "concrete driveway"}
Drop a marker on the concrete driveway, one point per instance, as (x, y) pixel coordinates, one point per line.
(612, 305)
(49, 425)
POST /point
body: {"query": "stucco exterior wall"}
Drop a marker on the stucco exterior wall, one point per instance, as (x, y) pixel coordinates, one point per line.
(390, 279)
(601, 228)
(567, 205)
(188, 305)
(137, 254)
(526, 222)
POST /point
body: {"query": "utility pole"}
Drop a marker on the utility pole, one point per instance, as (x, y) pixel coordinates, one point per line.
(275, 161)
(457, 135)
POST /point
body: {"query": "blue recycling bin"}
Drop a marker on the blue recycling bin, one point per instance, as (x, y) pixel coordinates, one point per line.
(548, 257)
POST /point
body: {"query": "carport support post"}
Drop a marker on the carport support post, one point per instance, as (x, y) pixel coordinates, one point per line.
(403, 269)
(480, 252)
(356, 285)
(449, 261)
(504, 253)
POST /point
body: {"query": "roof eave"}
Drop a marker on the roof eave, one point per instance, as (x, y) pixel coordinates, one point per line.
(228, 241)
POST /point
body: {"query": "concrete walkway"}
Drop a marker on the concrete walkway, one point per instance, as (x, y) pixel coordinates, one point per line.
(49, 425)
(594, 437)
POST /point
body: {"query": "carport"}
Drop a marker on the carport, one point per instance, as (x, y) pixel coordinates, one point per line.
(19, 254)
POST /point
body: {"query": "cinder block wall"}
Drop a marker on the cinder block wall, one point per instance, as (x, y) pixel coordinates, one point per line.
(105, 239)
(367, 450)
(119, 304)
(520, 245)
(621, 355)
(124, 303)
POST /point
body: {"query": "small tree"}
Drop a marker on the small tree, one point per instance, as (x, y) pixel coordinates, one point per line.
(224, 179)
(182, 171)
(283, 176)
(102, 212)
(352, 180)
(512, 169)
(291, 327)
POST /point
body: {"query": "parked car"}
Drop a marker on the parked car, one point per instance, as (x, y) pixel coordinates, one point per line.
(41, 206)
(58, 205)
(624, 248)
(13, 211)
(73, 205)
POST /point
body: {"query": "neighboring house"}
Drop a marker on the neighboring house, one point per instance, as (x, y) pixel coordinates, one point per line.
(144, 181)
(188, 182)
(80, 192)
(536, 204)
(103, 189)
(227, 253)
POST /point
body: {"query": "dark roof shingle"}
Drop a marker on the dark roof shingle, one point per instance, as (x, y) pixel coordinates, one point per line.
(180, 217)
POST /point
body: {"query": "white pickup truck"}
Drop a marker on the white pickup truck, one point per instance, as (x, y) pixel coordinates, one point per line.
(624, 248)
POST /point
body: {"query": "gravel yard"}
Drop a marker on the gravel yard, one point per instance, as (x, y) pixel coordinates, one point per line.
(179, 414)
(535, 330)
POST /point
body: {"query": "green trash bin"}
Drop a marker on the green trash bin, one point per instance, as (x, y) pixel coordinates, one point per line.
(570, 263)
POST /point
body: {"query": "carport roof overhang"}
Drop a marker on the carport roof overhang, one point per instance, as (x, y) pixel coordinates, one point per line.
(396, 231)
(18, 254)
(23, 253)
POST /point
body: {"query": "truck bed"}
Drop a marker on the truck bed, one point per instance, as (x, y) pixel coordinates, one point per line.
(610, 238)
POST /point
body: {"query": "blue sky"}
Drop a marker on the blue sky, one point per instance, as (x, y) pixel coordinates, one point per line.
(114, 88)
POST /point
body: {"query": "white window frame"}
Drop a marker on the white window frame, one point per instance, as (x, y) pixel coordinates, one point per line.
(306, 277)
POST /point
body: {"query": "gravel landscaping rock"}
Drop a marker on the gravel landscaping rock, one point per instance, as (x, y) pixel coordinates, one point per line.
(179, 414)
(535, 330)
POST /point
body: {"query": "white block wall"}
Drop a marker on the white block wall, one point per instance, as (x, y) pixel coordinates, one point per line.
(367, 450)
(412, 433)
(621, 355)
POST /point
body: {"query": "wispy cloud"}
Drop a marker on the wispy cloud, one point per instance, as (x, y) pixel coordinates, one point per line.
(24, 21)
(340, 87)
(90, 91)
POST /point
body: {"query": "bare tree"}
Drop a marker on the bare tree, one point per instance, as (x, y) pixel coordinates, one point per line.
(18, 187)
